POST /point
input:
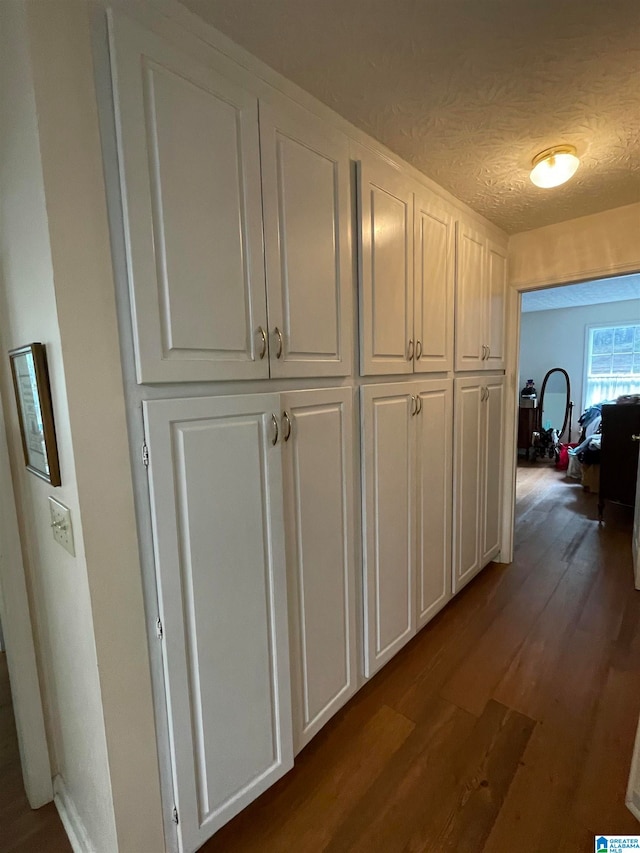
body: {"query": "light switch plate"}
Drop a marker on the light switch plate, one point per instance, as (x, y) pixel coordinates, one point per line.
(61, 525)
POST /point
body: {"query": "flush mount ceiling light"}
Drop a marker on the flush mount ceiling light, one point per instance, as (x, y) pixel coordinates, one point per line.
(554, 166)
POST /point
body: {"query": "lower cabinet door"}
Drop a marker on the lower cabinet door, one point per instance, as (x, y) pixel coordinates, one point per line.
(492, 451)
(388, 521)
(467, 478)
(317, 431)
(433, 496)
(216, 500)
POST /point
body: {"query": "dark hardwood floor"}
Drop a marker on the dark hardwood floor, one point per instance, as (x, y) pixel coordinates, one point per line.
(21, 829)
(506, 725)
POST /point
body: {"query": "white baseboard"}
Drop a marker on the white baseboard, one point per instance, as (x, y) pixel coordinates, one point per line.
(70, 818)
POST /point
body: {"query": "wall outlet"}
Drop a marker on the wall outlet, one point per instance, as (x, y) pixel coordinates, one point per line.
(61, 525)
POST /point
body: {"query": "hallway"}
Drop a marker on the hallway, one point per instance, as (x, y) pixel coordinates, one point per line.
(507, 724)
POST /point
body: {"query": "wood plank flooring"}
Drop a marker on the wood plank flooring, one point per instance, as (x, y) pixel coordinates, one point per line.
(21, 829)
(507, 724)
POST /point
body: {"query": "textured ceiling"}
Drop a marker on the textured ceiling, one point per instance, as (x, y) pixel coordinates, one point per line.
(625, 287)
(468, 91)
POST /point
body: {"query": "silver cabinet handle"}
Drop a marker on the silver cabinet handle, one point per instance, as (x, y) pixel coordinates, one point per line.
(286, 418)
(263, 335)
(419, 404)
(410, 352)
(277, 332)
(418, 350)
(414, 405)
(482, 390)
(484, 352)
(276, 431)
(488, 352)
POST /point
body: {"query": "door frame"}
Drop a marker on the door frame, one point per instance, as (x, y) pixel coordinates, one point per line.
(20, 649)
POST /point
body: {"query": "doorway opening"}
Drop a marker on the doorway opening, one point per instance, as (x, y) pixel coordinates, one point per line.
(579, 351)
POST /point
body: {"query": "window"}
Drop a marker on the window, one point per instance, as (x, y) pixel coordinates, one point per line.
(613, 363)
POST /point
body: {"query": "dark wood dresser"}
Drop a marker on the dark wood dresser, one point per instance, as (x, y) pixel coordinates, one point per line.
(619, 456)
(527, 422)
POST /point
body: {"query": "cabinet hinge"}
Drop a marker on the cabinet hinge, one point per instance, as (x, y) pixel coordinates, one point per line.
(145, 454)
(159, 629)
(175, 817)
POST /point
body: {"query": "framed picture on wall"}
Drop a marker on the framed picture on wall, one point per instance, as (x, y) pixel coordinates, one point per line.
(33, 396)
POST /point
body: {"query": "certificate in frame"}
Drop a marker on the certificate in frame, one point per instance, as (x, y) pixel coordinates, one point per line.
(33, 396)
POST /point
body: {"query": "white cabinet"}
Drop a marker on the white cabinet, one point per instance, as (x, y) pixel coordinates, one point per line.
(407, 511)
(478, 444)
(190, 178)
(434, 267)
(496, 305)
(407, 263)
(434, 440)
(317, 434)
(481, 280)
(190, 141)
(305, 181)
(385, 232)
(492, 456)
(388, 520)
(217, 513)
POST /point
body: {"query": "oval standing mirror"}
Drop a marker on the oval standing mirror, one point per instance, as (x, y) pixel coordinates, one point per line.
(554, 400)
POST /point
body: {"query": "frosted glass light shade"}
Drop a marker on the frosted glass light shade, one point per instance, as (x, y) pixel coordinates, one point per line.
(554, 166)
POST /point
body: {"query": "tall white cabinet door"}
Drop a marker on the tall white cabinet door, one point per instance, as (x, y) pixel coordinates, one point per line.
(216, 502)
(492, 452)
(318, 487)
(470, 299)
(388, 521)
(434, 267)
(496, 305)
(190, 178)
(467, 479)
(385, 266)
(305, 181)
(434, 438)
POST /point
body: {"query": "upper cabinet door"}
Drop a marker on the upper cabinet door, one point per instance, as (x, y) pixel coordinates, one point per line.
(470, 299)
(317, 430)
(496, 304)
(385, 229)
(305, 181)
(216, 503)
(190, 179)
(434, 285)
(388, 521)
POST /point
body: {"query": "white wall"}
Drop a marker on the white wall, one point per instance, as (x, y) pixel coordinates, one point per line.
(57, 284)
(557, 339)
(57, 582)
(596, 246)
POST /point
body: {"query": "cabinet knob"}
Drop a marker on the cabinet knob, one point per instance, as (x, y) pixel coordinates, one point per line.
(263, 335)
(410, 352)
(278, 334)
